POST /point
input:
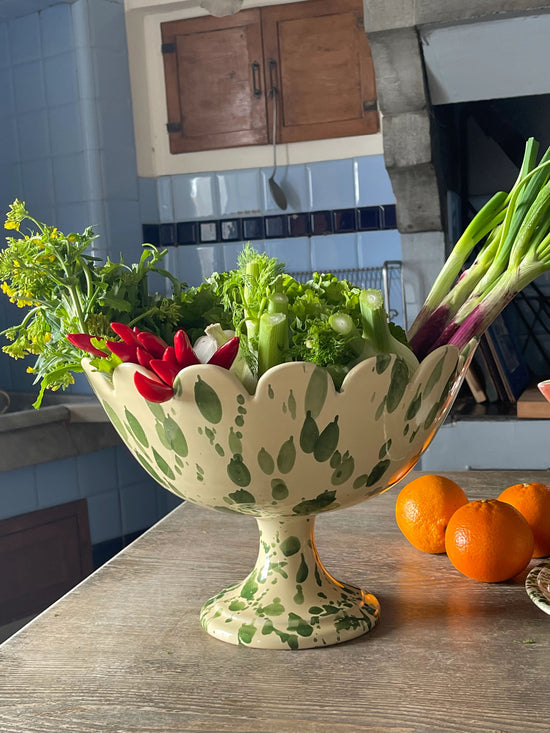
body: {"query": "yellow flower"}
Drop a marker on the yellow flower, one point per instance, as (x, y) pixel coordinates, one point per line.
(30, 370)
(11, 225)
(47, 337)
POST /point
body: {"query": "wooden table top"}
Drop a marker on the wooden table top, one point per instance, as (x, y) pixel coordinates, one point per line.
(124, 651)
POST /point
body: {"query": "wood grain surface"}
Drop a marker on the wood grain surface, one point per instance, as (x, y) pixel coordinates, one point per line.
(124, 651)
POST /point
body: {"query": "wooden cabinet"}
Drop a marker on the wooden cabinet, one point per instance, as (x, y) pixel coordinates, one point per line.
(220, 74)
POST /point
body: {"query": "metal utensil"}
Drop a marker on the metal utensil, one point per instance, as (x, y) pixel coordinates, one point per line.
(277, 192)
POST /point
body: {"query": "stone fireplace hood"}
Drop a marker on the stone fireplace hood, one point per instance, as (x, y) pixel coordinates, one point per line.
(437, 52)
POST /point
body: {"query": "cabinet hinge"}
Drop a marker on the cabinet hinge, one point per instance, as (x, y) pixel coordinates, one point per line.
(168, 48)
(370, 106)
(173, 126)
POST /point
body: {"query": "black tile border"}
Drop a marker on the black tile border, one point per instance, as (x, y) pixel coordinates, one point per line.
(272, 226)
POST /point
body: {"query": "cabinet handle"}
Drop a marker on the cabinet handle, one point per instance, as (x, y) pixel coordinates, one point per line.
(255, 77)
(272, 77)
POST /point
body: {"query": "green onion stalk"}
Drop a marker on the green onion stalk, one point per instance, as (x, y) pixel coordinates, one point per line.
(515, 229)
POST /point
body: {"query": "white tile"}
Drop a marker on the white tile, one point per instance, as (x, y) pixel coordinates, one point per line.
(56, 482)
(331, 184)
(334, 252)
(195, 197)
(61, 79)
(294, 181)
(231, 252)
(56, 29)
(104, 516)
(372, 182)
(240, 192)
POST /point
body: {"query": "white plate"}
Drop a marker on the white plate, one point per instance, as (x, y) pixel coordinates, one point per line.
(537, 585)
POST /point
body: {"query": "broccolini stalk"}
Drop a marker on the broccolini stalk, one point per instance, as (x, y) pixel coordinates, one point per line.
(273, 341)
(377, 331)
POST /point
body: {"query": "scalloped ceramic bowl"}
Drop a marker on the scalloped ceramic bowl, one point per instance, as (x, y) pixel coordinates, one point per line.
(294, 449)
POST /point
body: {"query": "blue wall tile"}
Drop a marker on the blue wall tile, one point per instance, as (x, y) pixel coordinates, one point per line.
(38, 187)
(29, 88)
(193, 264)
(56, 29)
(34, 135)
(164, 194)
(294, 181)
(295, 253)
(56, 482)
(139, 505)
(118, 183)
(66, 129)
(374, 248)
(70, 178)
(333, 252)
(24, 38)
(97, 472)
(115, 128)
(195, 197)
(148, 202)
(5, 52)
(10, 136)
(17, 492)
(372, 182)
(8, 94)
(106, 19)
(61, 79)
(331, 184)
(240, 192)
(104, 516)
(129, 470)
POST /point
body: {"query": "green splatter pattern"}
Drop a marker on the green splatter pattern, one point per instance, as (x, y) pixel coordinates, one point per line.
(293, 449)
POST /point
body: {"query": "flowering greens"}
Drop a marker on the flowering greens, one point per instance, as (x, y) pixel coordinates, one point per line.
(77, 304)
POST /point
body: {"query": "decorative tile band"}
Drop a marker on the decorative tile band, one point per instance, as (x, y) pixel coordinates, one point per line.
(278, 226)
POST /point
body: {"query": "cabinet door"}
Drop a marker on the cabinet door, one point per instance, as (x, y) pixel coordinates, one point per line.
(320, 61)
(214, 82)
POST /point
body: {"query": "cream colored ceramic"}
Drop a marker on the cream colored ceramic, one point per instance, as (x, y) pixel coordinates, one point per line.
(294, 449)
(544, 388)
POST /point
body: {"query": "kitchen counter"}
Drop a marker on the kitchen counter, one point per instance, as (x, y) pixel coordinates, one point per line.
(124, 651)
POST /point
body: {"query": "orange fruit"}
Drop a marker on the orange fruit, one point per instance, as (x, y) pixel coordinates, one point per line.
(489, 540)
(423, 509)
(533, 501)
